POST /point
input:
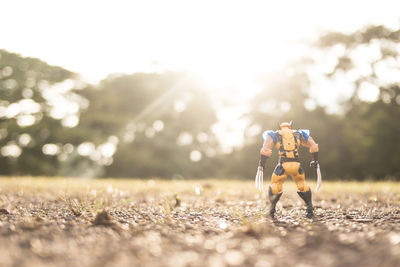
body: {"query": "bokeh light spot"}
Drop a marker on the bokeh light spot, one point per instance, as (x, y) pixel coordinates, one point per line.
(179, 105)
(195, 155)
(107, 149)
(50, 149)
(368, 92)
(7, 71)
(25, 120)
(68, 148)
(24, 139)
(86, 148)
(27, 93)
(184, 139)
(158, 125)
(70, 121)
(11, 150)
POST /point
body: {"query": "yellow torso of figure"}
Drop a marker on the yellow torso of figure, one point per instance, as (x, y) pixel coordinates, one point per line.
(288, 144)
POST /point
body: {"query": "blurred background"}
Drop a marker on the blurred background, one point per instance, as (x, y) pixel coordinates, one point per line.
(184, 89)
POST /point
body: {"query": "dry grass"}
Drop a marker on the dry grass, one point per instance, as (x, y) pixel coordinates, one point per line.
(75, 222)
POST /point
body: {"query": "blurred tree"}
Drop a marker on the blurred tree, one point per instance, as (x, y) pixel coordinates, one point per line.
(359, 141)
(158, 120)
(369, 59)
(144, 125)
(39, 104)
(283, 99)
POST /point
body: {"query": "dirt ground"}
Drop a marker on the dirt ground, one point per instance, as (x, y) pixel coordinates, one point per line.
(63, 222)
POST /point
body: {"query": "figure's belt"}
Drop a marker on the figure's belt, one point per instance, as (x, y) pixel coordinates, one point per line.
(289, 160)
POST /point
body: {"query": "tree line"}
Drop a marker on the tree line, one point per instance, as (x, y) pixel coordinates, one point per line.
(160, 124)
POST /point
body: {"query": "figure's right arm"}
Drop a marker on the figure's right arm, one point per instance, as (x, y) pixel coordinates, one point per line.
(266, 150)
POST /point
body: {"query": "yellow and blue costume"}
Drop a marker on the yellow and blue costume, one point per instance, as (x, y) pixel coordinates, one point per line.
(287, 142)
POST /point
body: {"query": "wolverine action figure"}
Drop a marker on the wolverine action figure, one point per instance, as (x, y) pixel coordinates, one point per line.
(287, 142)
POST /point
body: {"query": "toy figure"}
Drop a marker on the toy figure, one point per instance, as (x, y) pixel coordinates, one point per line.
(287, 142)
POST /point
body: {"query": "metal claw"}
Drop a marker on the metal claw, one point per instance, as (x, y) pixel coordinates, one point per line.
(259, 180)
(255, 181)
(319, 179)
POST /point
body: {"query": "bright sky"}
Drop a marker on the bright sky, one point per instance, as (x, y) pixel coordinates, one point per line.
(96, 38)
(226, 42)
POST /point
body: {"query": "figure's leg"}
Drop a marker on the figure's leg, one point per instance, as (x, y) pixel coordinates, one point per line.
(275, 188)
(304, 190)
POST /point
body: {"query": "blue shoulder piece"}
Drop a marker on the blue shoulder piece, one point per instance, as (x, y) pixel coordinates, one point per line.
(305, 133)
(270, 134)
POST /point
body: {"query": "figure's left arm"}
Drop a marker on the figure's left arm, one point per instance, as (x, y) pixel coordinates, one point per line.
(309, 142)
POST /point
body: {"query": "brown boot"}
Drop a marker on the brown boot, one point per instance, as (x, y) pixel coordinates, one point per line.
(273, 199)
(306, 196)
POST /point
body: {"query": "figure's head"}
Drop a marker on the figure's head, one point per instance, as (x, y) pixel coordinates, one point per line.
(286, 125)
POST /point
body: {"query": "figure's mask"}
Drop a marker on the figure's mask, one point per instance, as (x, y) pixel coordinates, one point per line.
(286, 125)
